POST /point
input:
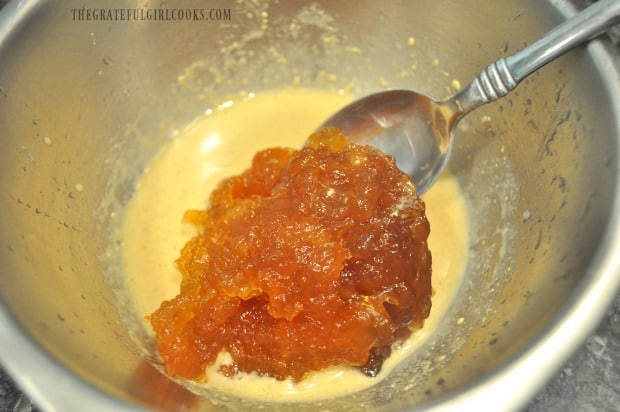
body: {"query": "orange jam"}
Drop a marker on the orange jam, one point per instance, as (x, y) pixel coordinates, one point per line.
(310, 258)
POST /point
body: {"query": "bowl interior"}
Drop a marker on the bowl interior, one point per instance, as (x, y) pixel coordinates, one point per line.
(85, 105)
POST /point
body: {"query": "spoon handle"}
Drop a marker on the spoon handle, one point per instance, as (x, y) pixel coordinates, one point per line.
(505, 74)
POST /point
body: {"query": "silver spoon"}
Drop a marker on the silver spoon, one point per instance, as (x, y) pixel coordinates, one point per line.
(418, 130)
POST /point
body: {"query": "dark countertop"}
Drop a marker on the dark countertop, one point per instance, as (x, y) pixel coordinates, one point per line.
(11, 398)
(590, 380)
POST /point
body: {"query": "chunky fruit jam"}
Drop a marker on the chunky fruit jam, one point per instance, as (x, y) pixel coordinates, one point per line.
(310, 258)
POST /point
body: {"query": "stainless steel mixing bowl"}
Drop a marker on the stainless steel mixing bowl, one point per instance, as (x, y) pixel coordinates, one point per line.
(86, 102)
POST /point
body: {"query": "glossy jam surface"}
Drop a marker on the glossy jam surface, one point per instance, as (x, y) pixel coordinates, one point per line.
(187, 171)
(308, 259)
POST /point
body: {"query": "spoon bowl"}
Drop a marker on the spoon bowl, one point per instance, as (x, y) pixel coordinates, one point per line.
(410, 126)
(417, 130)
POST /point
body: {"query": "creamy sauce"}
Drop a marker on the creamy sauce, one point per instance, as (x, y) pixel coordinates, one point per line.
(222, 144)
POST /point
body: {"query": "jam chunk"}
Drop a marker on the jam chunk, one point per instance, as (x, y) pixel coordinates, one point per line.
(310, 258)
